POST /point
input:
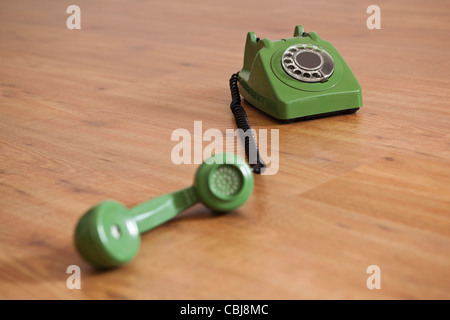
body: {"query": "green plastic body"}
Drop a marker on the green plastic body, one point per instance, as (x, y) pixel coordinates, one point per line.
(108, 235)
(264, 83)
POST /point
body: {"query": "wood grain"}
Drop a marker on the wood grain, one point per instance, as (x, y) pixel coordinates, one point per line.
(87, 115)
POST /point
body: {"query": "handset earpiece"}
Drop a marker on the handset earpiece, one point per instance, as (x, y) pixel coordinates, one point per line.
(108, 235)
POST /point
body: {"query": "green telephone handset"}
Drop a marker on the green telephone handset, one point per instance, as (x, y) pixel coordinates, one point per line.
(108, 235)
(296, 78)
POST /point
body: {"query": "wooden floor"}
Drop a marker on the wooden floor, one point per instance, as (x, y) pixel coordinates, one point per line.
(87, 115)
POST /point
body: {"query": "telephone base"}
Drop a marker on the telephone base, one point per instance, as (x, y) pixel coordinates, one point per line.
(298, 78)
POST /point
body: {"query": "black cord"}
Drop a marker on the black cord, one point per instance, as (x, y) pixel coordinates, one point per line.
(251, 148)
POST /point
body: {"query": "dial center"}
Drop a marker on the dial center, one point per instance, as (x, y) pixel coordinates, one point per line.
(308, 60)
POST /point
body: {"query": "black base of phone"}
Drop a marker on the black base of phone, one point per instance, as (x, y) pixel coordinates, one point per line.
(306, 118)
(318, 116)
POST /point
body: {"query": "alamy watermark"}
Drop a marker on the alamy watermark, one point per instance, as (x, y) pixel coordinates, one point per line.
(74, 20)
(74, 280)
(374, 280)
(192, 149)
(374, 20)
